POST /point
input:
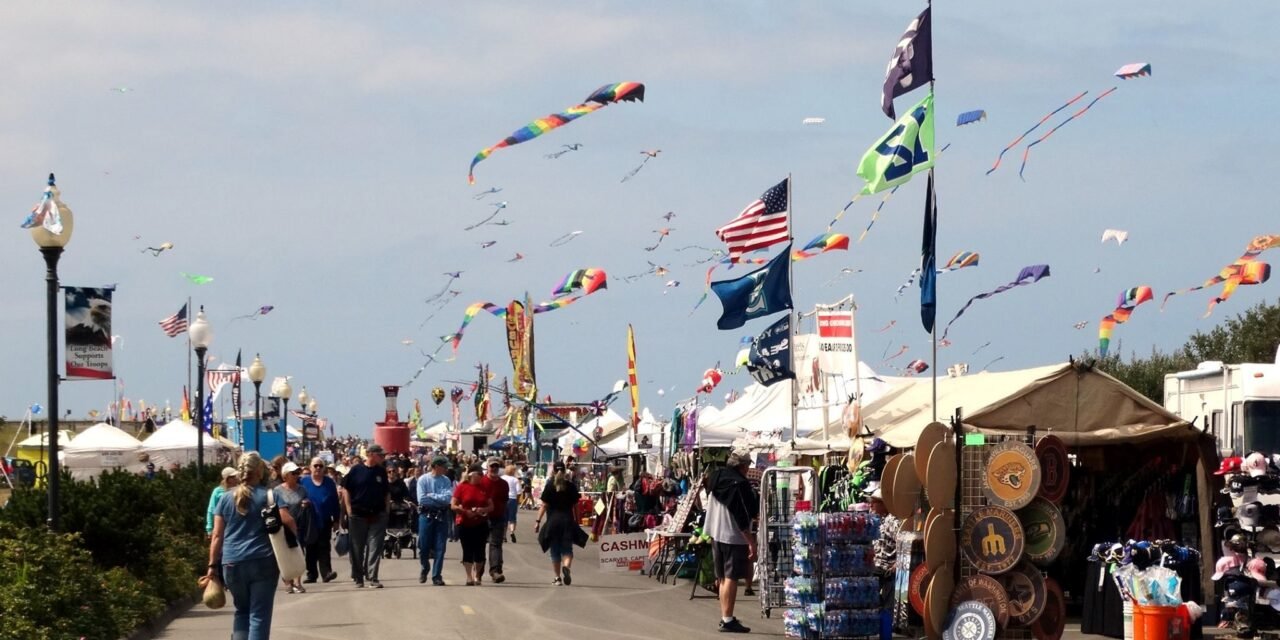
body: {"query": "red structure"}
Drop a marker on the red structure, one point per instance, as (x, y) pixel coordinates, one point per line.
(392, 434)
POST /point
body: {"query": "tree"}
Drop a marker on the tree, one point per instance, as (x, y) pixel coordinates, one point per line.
(1252, 336)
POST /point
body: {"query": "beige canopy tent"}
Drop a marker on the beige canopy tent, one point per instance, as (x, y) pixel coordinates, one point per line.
(1079, 404)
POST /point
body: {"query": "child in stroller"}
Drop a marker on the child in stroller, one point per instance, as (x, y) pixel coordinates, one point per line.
(401, 529)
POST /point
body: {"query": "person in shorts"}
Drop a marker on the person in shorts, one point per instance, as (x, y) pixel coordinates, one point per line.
(733, 504)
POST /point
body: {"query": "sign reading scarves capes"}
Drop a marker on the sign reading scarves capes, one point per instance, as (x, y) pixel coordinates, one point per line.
(88, 333)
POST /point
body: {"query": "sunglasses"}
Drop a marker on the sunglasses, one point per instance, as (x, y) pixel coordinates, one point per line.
(317, 466)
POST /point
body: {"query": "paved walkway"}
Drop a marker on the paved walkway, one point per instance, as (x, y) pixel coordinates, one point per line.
(598, 605)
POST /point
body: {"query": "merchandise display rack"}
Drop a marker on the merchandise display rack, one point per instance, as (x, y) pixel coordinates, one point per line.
(833, 593)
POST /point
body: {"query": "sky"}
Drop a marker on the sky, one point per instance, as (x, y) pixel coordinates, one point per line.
(312, 156)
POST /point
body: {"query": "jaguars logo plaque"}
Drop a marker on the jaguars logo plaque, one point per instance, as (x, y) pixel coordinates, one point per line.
(1012, 477)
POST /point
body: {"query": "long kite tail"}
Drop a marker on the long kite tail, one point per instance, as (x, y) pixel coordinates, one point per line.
(1027, 152)
(1028, 131)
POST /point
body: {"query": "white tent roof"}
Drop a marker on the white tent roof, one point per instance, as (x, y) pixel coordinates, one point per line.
(178, 435)
(610, 423)
(103, 437)
(762, 415)
(42, 439)
(1081, 405)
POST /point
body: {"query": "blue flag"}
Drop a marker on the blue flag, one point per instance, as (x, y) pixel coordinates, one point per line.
(929, 259)
(762, 292)
(206, 414)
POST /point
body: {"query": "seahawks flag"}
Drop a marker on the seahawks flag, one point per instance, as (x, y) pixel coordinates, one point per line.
(906, 149)
(762, 292)
(911, 66)
(770, 358)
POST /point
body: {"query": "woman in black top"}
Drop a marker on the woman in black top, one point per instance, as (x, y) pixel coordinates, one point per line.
(559, 498)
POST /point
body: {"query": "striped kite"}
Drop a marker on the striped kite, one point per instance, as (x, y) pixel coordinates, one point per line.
(1029, 275)
(1129, 300)
(1246, 270)
(600, 98)
(585, 281)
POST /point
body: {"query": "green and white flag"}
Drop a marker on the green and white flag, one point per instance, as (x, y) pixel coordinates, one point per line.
(906, 149)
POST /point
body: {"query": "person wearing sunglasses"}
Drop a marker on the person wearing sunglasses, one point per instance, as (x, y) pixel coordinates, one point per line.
(322, 491)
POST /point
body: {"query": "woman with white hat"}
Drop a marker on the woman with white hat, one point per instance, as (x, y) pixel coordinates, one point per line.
(291, 496)
(230, 478)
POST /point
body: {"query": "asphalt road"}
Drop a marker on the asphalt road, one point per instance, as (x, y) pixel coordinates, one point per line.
(597, 605)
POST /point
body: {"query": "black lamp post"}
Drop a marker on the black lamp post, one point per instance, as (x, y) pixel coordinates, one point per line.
(51, 245)
(257, 373)
(201, 335)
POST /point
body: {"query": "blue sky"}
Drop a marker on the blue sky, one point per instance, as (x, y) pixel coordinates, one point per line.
(312, 156)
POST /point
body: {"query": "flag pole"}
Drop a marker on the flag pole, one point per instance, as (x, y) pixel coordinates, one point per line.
(933, 334)
(188, 332)
(857, 372)
(795, 384)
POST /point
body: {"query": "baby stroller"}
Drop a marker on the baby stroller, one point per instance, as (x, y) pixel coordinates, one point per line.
(402, 531)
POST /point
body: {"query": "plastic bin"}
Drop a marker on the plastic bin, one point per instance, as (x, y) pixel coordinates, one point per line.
(1158, 623)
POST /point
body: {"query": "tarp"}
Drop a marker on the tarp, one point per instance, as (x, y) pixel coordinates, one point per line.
(176, 443)
(100, 448)
(1079, 404)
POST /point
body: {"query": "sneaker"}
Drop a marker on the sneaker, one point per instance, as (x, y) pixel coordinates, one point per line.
(299, 589)
(557, 582)
(375, 584)
(359, 584)
(513, 537)
(422, 577)
(733, 626)
(568, 578)
(498, 578)
(437, 581)
(331, 576)
(310, 581)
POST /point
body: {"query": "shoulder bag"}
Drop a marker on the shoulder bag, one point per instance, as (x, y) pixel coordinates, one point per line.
(289, 559)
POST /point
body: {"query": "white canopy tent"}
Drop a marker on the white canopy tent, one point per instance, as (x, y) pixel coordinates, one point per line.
(649, 430)
(100, 448)
(610, 424)
(177, 443)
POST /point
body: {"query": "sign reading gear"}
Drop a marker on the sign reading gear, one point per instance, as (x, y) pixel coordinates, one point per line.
(623, 552)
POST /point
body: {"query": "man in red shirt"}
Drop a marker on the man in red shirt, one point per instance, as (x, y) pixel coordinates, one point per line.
(498, 492)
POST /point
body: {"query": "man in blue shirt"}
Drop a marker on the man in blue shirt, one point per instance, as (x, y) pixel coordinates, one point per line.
(435, 492)
(322, 492)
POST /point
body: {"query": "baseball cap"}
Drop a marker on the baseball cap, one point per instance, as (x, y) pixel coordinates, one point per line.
(1229, 465)
(229, 472)
(1237, 483)
(1225, 564)
(877, 445)
(1273, 598)
(1256, 568)
(376, 448)
(1225, 516)
(1240, 586)
(1255, 465)
(558, 466)
(493, 462)
(1234, 543)
(1269, 538)
(439, 461)
(288, 468)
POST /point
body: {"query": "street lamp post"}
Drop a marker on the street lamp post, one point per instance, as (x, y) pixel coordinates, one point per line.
(51, 246)
(315, 442)
(257, 373)
(303, 397)
(201, 333)
(284, 392)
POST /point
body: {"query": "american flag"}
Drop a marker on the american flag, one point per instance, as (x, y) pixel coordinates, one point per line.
(761, 224)
(176, 323)
(215, 379)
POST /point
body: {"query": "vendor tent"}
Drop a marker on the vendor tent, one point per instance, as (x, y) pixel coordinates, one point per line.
(36, 448)
(100, 448)
(1077, 403)
(609, 424)
(176, 443)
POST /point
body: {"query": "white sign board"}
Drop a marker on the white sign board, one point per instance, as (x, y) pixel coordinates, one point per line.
(623, 552)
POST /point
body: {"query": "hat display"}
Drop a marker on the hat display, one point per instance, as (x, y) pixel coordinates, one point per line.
(886, 480)
(1255, 464)
(940, 474)
(992, 539)
(937, 599)
(1045, 531)
(1256, 568)
(1012, 476)
(1025, 586)
(1268, 539)
(971, 621)
(1229, 465)
(1239, 483)
(1055, 468)
(917, 586)
(986, 590)
(1256, 514)
(906, 488)
(1053, 620)
(1225, 564)
(932, 434)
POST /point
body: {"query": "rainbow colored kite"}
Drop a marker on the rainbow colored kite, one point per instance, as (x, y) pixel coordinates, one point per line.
(585, 281)
(588, 280)
(1246, 270)
(1129, 300)
(823, 243)
(600, 98)
(961, 260)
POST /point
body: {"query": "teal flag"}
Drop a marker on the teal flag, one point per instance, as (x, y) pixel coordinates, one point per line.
(906, 149)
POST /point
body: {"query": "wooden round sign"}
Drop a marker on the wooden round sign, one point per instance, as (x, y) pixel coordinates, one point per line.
(986, 590)
(939, 543)
(1053, 620)
(906, 488)
(916, 588)
(1027, 596)
(991, 538)
(1045, 531)
(1055, 468)
(932, 434)
(937, 600)
(886, 480)
(940, 475)
(1012, 477)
